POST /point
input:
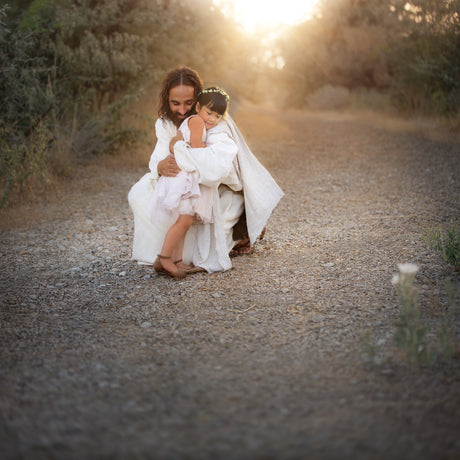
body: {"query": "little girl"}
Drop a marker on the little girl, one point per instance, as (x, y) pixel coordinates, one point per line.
(182, 198)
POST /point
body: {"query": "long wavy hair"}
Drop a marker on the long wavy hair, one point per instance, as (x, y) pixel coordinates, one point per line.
(181, 76)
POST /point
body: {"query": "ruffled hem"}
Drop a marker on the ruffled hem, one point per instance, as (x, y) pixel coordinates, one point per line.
(182, 194)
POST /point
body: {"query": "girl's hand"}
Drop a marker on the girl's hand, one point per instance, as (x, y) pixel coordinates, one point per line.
(168, 167)
(177, 137)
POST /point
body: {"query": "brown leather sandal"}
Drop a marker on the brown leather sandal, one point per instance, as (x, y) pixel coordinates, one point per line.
(157, 265)
(177, 274)
(192, 268)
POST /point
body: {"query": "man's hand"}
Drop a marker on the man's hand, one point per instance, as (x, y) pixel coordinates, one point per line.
(168, 167)
(177, 137)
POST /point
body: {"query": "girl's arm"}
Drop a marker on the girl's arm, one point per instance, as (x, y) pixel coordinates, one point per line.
(160, 161)
(212, 164)
(196, 126)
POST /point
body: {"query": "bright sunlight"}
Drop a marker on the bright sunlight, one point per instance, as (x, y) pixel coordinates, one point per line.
(260, 15)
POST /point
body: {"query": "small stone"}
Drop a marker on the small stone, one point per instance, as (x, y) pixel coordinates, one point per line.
(63, 374)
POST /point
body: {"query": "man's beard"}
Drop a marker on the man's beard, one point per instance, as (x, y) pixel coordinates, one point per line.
(174, 117)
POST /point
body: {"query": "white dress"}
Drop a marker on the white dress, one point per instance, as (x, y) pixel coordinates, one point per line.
(182, 194)
(238, 182)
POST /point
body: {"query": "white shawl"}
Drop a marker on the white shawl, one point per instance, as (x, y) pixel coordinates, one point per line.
(261, 192)
(227, 160)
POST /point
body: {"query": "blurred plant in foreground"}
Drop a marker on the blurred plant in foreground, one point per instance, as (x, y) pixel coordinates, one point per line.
(410, 335)
(421, 342)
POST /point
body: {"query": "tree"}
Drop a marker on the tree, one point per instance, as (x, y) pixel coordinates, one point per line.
(426, 58)
(410, 50)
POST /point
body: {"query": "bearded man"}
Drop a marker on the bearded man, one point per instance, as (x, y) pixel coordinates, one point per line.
(245, 193)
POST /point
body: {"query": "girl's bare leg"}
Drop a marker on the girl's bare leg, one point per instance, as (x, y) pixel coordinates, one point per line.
(173, 244)
(177, 255)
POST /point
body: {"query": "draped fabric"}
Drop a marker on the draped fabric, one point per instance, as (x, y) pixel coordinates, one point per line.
(237, 180)
(261, 192)
(182, 194)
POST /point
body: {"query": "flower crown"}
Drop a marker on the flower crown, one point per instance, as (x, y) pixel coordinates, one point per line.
(216, 90)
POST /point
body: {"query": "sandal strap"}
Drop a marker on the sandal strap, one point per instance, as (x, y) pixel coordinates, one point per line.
(163, 257)
(177, 261)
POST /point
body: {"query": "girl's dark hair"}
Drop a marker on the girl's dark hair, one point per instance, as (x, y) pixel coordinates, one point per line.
(214, 98)
(177, 77)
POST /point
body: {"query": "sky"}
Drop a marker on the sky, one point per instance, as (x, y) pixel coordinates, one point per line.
(267, 15)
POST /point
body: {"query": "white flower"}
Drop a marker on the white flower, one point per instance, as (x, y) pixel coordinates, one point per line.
(408, 269)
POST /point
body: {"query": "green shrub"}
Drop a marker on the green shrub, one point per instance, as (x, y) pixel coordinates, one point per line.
(22, 161)
(447, 241)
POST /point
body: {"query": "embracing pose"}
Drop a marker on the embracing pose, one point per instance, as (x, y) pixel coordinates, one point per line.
(181, 198)
(238, 184)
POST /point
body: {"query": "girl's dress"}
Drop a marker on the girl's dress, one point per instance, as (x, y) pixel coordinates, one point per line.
(182, 194)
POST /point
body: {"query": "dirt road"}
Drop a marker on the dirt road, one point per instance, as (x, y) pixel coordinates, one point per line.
(102, 358)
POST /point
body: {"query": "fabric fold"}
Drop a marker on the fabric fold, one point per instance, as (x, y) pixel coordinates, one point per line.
(261, 192)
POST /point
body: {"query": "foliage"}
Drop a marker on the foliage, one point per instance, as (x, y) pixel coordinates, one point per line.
(343, 45)
(81, 71)
(410, 335)
(417, 342)
(425, 58)
(80, 68)
(446, 331)
(103, 48)
(409, 49)
(446, 240)
(25, 107)
(20, 161)
(23, 80)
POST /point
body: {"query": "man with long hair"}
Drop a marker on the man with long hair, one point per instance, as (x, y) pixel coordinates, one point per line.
(242, 187)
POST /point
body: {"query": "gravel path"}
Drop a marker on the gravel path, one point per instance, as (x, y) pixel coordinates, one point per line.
(103, 358)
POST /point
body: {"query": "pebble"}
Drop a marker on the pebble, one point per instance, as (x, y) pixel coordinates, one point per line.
(319, 277)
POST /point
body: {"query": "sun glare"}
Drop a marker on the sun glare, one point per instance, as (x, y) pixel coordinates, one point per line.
(262, 15)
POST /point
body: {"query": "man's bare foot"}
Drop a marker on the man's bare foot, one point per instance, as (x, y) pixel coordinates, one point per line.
(242, 248)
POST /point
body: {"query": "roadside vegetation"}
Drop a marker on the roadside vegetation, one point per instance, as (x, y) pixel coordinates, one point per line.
(79, 77)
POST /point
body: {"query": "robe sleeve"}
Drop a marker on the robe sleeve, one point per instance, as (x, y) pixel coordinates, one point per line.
(212, 164)
(165, 131)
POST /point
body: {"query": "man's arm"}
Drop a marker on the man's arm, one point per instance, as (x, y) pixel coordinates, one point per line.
(212, 164)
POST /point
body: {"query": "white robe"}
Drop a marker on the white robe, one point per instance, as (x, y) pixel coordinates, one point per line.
(228, 167)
